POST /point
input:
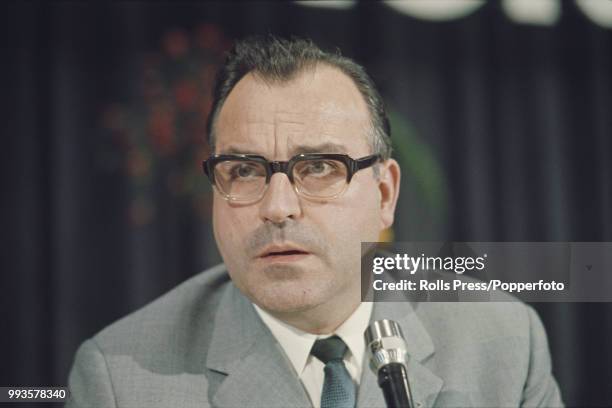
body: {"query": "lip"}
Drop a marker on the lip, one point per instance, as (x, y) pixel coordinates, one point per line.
(282, 253)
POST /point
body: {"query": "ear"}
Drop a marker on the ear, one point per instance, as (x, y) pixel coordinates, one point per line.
(389, 186)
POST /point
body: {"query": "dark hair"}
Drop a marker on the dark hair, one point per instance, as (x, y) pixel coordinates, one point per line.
(279, 60)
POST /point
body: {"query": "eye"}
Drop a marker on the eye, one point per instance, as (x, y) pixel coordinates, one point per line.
(245, 170)
(318, 168)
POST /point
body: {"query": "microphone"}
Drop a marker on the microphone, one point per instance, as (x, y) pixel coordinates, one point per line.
(386, 348)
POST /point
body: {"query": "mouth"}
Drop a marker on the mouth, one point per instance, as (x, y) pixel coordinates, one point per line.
(282, 253)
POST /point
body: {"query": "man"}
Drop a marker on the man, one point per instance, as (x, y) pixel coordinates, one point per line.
(302, 174)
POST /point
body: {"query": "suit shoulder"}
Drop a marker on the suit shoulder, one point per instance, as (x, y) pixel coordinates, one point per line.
(178, 312)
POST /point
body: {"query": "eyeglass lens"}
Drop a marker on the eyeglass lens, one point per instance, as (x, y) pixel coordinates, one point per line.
(242, 180)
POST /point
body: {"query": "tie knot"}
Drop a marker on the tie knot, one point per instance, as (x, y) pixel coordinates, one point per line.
(331, 348)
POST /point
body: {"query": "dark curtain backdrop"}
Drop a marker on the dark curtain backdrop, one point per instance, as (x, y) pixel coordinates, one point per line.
(503, 130)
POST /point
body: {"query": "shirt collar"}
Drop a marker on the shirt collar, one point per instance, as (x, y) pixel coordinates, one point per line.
(297, 343)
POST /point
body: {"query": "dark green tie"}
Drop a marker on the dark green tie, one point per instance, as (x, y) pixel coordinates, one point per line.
(338, 387)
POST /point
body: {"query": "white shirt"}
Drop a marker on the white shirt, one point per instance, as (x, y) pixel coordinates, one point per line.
(297, 345)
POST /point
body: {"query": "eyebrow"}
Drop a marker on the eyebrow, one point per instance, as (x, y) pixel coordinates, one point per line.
(238, 150)
(327, 147)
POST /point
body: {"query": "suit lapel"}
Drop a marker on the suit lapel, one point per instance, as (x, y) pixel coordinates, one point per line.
(242, 347)
(259, 374)
(424, 384)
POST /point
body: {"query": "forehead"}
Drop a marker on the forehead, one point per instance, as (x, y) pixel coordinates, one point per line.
(320, 105)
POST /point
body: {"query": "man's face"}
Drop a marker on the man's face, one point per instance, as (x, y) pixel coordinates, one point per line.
(285, 252)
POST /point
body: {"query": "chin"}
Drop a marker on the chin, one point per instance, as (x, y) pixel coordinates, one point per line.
(289, 295)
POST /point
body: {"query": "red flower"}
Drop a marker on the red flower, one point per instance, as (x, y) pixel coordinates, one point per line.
(176, 43)
(186, 95)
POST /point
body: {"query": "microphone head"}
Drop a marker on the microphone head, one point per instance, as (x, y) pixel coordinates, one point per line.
(385, 344)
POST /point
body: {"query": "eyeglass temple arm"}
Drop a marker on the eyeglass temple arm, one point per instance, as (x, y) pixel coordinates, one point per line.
(366, 162)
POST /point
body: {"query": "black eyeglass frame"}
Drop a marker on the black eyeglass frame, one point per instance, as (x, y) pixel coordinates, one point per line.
(352, 165)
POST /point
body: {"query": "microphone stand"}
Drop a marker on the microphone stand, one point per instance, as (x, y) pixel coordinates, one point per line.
(393, 380)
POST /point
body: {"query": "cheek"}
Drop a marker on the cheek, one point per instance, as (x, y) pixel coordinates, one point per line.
(347, 223)
(228, 225)
(361, 215)
(218, 216)
(363, 224)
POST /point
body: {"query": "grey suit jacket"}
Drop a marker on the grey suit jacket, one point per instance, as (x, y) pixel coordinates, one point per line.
(203, 344)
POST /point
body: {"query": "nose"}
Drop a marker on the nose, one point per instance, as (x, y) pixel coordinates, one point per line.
(280, 200)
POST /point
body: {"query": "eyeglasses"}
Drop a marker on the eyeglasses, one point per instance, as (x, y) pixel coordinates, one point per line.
(245, 177)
